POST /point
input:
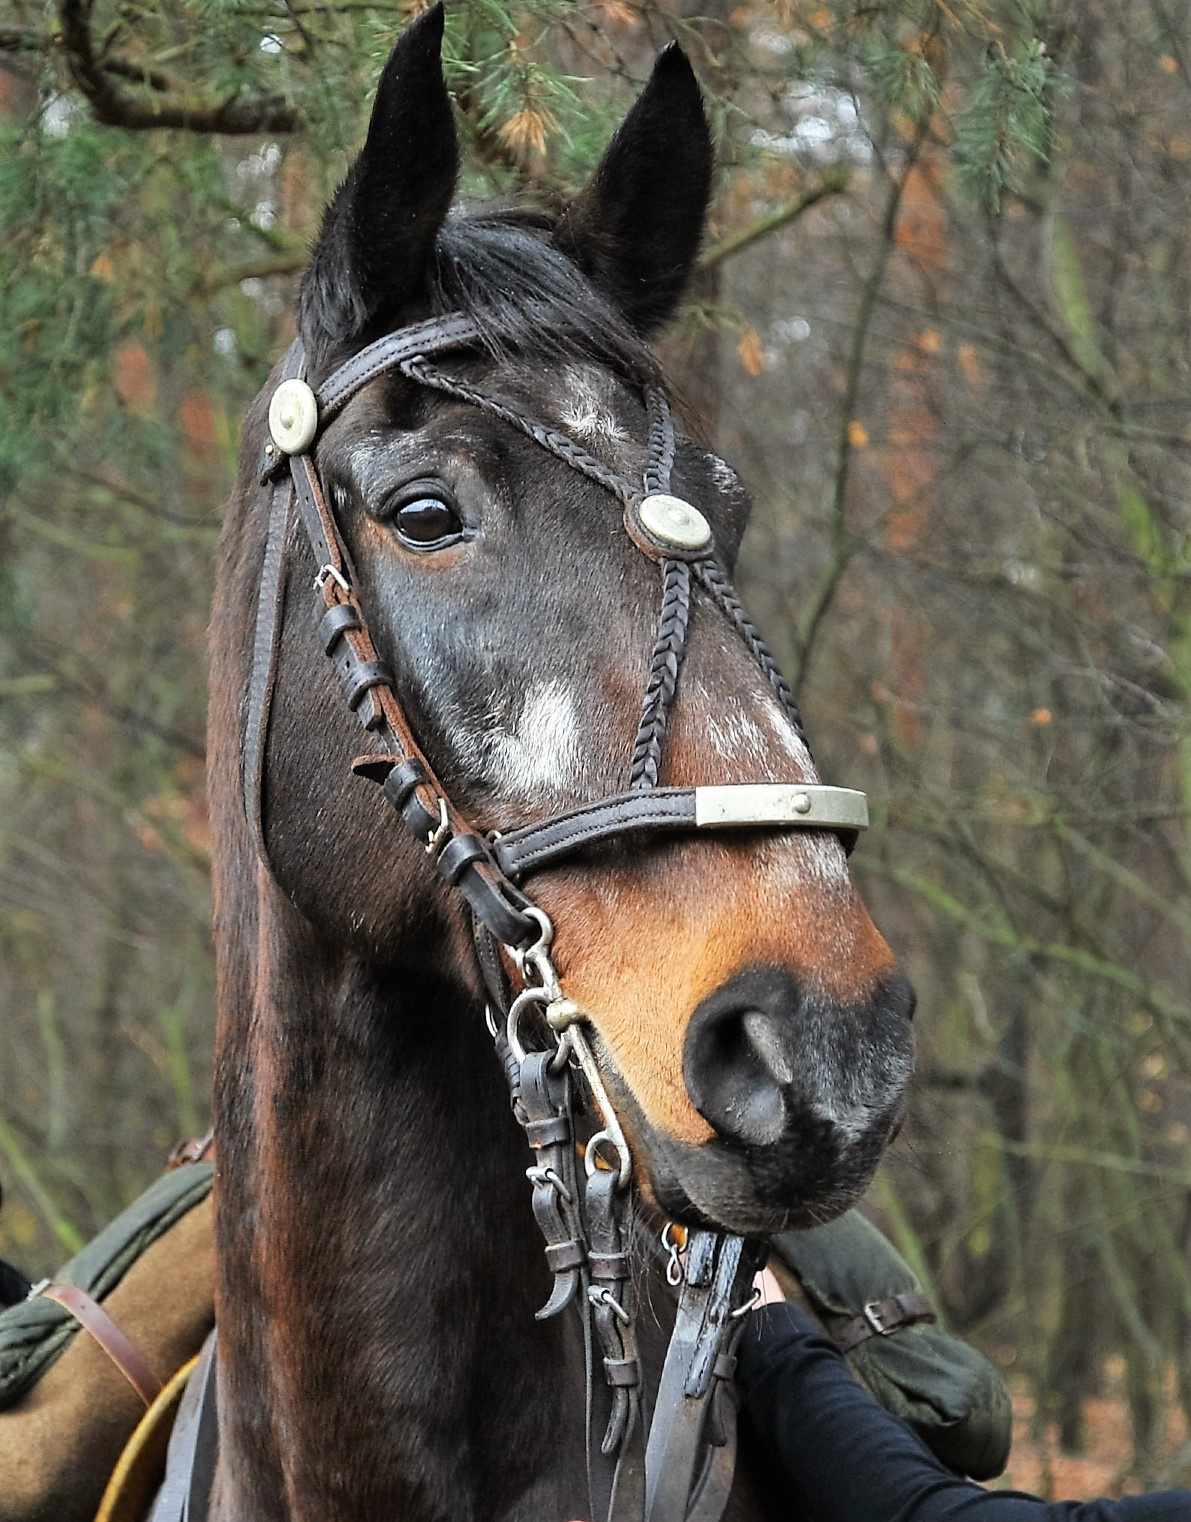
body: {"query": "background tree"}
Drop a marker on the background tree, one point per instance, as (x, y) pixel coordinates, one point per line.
(943, 326)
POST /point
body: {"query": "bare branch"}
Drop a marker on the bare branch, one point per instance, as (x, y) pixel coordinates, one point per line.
(236, 116)
(736, 243)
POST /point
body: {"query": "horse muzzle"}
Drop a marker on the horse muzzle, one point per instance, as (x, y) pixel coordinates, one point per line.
(802, 1094)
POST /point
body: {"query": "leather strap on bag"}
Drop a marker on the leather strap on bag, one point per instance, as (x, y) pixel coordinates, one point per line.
(131, 1362)
(880, 1318)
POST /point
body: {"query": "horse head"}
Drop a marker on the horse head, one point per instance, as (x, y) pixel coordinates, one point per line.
(751, 1024)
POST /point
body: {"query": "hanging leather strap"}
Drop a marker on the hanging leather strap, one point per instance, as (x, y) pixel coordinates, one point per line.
(718, 1275)
(118, 1346)
(185, 1494)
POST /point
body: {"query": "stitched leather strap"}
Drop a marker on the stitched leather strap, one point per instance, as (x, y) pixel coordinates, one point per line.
(532, 847)
(880, 1318)
(763, 806)
(718, 1277)
(431, 337)
(131, 1362)
(266, 638)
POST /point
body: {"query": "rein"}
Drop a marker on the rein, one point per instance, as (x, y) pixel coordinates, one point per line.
(683, 1471)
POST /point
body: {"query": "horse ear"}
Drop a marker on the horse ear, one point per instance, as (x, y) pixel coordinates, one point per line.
(636, 228)
(379, 230)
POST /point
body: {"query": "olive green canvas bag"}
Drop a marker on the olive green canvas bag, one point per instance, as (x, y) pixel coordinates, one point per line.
(864, 1292)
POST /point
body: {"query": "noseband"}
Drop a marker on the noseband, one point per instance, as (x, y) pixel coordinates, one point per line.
(587, 1222)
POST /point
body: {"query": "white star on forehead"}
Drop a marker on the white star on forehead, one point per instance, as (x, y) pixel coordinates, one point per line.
(586, 412)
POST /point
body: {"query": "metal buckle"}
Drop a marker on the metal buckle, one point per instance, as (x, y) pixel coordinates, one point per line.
(435, 837)
(326, 571)
(873, 1314)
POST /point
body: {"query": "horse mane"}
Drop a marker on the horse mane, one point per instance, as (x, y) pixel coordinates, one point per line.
(501, 267)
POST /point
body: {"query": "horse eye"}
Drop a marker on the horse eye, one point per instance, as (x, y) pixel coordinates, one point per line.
(427, 521)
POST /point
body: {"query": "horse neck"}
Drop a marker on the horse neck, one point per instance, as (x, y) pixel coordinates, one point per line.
(378, 1263)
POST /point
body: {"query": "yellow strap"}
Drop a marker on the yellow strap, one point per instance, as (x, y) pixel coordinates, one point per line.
(141, 1467)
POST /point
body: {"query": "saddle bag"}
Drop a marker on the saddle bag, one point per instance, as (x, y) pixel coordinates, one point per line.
(67, 1411)
(35, 1332)
(866, 1296)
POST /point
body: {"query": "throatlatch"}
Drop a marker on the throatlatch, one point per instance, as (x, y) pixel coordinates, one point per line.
(684, 1472)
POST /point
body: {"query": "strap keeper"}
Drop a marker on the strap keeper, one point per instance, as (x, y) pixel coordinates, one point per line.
(457, 855)
(561, 1256)
(547, 1133)
(338, 618)
(622, 1373)
(401, 789)
(609, 1265)
(724, 1366)
(403, 777)
(360, 677)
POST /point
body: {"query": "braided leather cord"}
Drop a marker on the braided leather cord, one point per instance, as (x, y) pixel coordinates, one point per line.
(668, 649)
(661, 441)
(724, 595)
(559, 444)
(669, 645)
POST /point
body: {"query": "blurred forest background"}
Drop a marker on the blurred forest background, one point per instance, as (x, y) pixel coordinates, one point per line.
(943, 327)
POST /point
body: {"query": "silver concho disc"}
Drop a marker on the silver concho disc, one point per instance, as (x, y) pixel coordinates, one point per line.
(293, 416)
(673, 521)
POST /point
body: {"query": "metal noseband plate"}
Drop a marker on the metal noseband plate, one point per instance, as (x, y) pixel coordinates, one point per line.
(802, 803)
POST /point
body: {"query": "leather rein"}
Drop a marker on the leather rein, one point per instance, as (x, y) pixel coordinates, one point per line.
(681, 1471)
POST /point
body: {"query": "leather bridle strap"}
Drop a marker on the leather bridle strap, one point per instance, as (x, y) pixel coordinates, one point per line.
(685, 809)
(462, 856)
(185, 1494)
(699, 1361)
(270, 604)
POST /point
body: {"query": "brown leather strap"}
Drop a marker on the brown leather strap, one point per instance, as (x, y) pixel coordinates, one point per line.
(522, 851)
(882, 1317)
(431, 337)
(199, 1149)
(91, 1315)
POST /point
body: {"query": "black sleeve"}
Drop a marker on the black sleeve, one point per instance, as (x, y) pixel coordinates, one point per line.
(846, 1459)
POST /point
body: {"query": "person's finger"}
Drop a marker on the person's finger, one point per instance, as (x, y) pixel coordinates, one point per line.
(766, 1285)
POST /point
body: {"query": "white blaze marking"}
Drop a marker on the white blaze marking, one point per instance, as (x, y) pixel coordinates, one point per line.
(735, 736)
(791, 858)
(541, 753)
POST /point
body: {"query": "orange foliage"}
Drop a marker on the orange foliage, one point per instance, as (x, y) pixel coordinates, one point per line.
(922, 223)
(197, 418)
(133, 378)
(749, 349)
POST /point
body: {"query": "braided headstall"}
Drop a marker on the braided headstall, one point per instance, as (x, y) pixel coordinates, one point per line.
(683, 1473)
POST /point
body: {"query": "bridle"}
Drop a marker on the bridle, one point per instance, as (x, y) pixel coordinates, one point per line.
(586, 1218)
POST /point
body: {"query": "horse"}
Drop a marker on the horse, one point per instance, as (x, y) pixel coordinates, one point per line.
(486, 582)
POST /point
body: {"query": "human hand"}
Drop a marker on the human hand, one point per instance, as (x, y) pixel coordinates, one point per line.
(767, 1288)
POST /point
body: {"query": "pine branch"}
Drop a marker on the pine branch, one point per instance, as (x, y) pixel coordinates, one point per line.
(236, 116)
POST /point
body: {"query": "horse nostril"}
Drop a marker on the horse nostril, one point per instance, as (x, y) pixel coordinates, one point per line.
(737, 1062)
